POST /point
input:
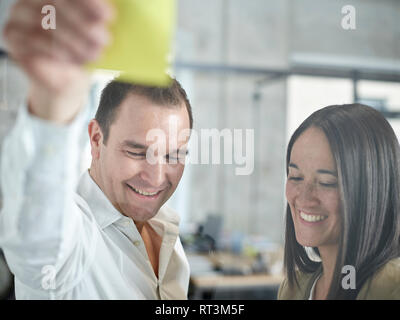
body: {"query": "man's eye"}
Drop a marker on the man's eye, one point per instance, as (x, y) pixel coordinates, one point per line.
(175, 158)
(134, 154)
(171, 158)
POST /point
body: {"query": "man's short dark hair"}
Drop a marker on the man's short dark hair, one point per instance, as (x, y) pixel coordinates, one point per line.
(116, 91)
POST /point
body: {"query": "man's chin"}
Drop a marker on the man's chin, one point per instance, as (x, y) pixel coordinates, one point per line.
(140, 215)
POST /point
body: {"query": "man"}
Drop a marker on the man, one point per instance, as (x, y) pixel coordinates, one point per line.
(107, 236)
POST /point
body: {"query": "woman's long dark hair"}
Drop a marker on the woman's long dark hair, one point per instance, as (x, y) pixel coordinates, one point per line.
(367, 156)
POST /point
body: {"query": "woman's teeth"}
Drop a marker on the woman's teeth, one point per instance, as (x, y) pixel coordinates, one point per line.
(311, 218)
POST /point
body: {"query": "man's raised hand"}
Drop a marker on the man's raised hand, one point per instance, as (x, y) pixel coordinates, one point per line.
(53, 59)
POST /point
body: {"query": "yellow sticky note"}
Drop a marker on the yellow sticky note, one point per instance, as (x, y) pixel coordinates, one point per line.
(141, 41)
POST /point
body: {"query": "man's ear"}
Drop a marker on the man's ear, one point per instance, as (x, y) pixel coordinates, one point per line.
(96, 138)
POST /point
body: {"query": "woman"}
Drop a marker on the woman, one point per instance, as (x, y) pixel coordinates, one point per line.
(343, 193)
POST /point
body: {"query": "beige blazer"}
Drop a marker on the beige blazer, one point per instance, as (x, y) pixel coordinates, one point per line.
(383, 285)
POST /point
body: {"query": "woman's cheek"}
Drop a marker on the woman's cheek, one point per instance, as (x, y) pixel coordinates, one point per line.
(290, 191)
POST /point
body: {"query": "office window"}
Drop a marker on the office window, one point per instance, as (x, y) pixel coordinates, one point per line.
(307, 94)
(384, 96)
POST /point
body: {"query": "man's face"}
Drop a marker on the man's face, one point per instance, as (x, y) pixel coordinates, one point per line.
(136, 186)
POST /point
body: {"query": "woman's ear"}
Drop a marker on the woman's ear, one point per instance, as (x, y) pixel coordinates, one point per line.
(96, 138)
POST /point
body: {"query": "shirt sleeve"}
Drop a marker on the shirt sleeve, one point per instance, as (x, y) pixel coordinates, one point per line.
(41, 227)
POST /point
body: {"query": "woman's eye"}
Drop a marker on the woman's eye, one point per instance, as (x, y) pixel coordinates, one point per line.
(329, 185)
(295, 178)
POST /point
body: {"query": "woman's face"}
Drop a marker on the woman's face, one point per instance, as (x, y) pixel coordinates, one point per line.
(312, 190)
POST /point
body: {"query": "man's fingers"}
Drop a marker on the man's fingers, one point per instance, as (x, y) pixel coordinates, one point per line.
(95, 34)
(22, 15)
(71, 18)
(25, 15)
(80, 50)
(21, 48)
(97, 9)
(53, 58)
(74, 37)
(62, 47)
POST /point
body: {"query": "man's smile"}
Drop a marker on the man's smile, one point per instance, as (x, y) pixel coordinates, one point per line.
(145, 194)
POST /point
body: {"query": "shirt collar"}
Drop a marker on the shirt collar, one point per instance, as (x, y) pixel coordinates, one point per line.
(106, 214)
(102, 209)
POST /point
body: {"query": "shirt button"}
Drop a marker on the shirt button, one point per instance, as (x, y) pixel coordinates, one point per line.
(125, 223)
(136, 243)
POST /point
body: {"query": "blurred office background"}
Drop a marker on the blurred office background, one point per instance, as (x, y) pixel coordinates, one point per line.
(263, 65)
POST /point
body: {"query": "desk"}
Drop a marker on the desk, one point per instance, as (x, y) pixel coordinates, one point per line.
(218, 282)
(221, 283)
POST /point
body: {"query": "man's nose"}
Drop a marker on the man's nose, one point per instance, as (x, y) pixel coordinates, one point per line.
(154, 173)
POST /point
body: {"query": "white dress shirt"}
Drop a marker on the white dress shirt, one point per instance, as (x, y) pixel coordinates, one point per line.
(62, 237)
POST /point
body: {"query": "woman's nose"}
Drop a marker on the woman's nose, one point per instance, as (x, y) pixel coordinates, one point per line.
(307, 194)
